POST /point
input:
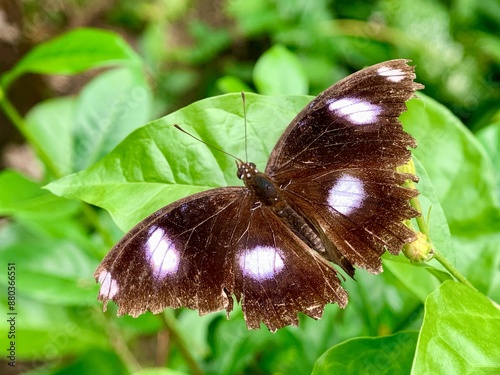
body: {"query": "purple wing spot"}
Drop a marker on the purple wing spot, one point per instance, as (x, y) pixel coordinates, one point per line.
(356, 111)
(261, 262)
(392, 74)
(109, 286)
(347, 195)
(161, 253)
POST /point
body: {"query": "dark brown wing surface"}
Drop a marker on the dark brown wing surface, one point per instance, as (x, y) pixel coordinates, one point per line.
(199, 251)
(336, 161)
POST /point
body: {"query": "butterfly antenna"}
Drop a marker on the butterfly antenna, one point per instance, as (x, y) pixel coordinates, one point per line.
(205, 143)
(245, 120)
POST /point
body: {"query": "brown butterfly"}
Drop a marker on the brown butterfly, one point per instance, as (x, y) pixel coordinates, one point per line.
(329, 193)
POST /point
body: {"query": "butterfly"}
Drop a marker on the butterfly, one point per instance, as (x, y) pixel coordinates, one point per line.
(330, 193)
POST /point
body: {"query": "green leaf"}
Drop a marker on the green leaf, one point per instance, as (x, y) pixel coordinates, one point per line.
(22, 197)
(460, 171)
(489, 137)
(230, 83)
(463, 179)
(159, 371)
(45, 331)
(108, 109)
(459, 334)
(370, 355)
(433, 213)
(157, 164)
(74, 52)
(58, 272)
(279, 72)
(52, 124)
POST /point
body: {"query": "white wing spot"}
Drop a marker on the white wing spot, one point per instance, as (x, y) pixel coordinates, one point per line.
(346, 195)
(161, 253)
(392, 74)
(109, 286)
(357, 111)
(261, 262)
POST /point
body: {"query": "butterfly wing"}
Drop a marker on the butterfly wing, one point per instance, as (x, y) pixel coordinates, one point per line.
(200, 250)
(335, 164)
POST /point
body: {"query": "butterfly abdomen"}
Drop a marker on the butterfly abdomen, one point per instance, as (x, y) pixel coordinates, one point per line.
(299, 226)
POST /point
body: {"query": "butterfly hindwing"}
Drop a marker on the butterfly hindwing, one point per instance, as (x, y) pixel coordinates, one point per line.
(360, 212)
(281, 276)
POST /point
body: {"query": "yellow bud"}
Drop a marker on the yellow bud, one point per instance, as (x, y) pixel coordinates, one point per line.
(419, 250)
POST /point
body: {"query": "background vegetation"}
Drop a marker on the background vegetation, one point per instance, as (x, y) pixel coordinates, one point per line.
(79, 99)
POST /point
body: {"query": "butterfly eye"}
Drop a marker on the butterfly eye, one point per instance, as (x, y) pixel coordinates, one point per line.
(240, 172)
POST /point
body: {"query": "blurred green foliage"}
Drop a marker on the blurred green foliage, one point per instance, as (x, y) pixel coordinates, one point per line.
(186, 51)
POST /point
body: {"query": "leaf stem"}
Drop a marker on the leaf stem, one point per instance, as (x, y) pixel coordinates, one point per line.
(424, 228)
(21, 125)
(452, 270)
(91, 215)
(170, 324)
(118, 342)
(49, 164)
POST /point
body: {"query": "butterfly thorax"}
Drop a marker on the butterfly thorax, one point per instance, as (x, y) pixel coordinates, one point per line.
(268, 193)
(264, 188)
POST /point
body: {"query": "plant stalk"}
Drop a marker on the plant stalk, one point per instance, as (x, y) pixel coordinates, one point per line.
(424, 228)
(18, 121)
(170, 324)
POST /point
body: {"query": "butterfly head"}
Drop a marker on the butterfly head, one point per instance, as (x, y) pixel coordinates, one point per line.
(246, 170)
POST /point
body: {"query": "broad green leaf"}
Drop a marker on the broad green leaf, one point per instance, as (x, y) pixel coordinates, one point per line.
(433, 213)
(159, 371)
(228, 84)
(490, 139)
(370, 355)
(460, 171)
(463, 179)
(74, 52)
(101, 362)
(50, 271)
(108, 109)
(279, 72)
(45, 331)
(157, 164)
(22, 197)
(51, 123)
(459, 334)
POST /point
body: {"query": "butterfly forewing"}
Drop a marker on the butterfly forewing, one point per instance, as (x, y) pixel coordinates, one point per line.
(352, 124)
